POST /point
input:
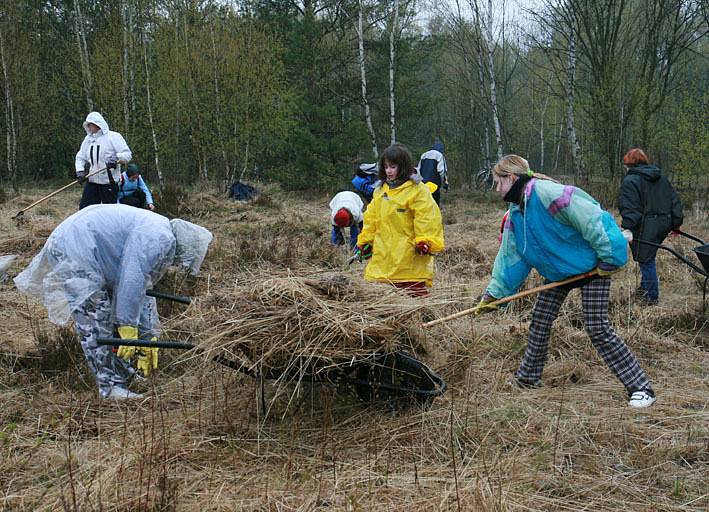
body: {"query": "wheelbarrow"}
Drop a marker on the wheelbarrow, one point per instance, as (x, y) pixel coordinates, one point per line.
(702, 252)
(392, 376)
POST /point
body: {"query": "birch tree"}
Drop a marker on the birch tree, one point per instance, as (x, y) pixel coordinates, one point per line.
(570, 90)
(487, 47)
(363, 80)
(83, 55)
(149, 105)
(392, 60)
(10, 125)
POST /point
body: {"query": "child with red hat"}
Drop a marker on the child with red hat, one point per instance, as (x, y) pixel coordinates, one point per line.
(345, 212)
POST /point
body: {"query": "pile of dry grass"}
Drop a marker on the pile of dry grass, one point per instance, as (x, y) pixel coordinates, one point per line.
(310, 322)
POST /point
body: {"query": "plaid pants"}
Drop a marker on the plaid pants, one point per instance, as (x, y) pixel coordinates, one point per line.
(610, 346)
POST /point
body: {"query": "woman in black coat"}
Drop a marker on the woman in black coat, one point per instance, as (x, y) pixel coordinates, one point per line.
(650, 208)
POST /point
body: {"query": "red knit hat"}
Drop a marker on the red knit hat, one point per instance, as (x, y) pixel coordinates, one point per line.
(343, 218)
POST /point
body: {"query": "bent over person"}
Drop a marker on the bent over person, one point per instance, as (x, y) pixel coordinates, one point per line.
(101, 152)
(562, 232)
(345, 212)
(96, 267)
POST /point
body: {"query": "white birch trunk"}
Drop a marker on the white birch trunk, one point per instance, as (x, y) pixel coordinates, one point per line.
(363, 78)
(11, 130)
(392, 56)
(83, 55)
(490, 45)
(161, 182)
(570, 124)
(486, 140)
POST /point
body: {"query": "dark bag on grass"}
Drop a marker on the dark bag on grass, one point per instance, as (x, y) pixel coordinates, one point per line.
(242, 192)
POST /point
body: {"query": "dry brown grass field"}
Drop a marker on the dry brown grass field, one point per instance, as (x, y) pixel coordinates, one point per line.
(200, 439)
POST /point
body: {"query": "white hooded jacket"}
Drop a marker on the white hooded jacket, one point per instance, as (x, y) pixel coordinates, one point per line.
(98, 146)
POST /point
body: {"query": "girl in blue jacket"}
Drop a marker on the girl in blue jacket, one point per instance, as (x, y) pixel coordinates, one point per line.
(561, 231)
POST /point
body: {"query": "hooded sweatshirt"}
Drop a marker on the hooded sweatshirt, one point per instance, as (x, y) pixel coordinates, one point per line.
(97, 147)
(351, 202)
(650, 208)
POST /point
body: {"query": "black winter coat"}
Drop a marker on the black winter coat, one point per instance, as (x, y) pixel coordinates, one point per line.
(650, 208)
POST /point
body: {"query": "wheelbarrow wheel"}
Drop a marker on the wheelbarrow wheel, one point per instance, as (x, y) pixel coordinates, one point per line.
(410, 378)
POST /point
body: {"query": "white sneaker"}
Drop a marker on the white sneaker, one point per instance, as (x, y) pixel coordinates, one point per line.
(121, 393)
(641, 399)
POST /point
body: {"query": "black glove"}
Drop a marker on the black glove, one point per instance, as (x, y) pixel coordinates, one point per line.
(111, 162)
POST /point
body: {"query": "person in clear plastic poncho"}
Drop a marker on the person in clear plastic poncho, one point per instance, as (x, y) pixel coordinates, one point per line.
(96, 267)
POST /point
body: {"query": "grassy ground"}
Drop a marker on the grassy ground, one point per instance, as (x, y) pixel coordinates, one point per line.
(201, 442)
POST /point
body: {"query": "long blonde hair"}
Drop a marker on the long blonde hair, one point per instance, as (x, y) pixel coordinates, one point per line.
(518, 166)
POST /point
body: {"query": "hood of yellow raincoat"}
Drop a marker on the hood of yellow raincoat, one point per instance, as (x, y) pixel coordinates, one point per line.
(394, 222)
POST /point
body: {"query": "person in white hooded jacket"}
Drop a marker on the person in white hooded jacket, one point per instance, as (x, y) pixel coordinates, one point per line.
(96, 267)
(102, 150)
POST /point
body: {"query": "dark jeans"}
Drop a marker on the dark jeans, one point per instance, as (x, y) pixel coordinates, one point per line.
(649, 282)
(98, 194)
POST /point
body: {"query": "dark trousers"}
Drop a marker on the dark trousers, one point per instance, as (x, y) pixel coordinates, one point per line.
(136, 199)
(98, 194)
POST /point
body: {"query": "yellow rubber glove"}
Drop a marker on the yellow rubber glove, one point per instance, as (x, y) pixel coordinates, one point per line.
(484, 305)
(148, 358)
(127, 332)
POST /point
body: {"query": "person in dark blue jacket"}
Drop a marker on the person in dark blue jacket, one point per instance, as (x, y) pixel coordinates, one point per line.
(433, 169)
(562, 232)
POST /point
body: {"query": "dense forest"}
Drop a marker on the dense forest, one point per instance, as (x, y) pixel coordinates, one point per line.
(298, 92)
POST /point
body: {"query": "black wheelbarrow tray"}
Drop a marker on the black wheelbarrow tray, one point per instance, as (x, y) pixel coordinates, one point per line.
(702, 253)
(391, 376)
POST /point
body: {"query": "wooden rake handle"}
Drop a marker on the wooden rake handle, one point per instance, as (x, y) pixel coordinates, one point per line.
(54, 193)
(531, 291)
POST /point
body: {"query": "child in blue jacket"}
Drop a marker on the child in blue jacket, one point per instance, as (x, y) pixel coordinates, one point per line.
(561, 231)
(133, 191)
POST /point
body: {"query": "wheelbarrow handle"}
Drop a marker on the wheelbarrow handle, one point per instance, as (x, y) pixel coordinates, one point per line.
(117, 342)
(162, 295)
(676, 254)
(691, 237)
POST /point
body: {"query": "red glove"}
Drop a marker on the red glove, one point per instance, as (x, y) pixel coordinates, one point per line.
(422, 248)
(675, 231)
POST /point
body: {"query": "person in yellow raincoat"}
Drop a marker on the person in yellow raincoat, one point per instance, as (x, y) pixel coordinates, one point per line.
(402, 226)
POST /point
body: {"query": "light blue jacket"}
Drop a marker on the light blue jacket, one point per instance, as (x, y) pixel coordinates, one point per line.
(561, 231)
(128, 187)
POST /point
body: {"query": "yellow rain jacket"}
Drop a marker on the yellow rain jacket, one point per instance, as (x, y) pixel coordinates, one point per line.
(394, 222)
